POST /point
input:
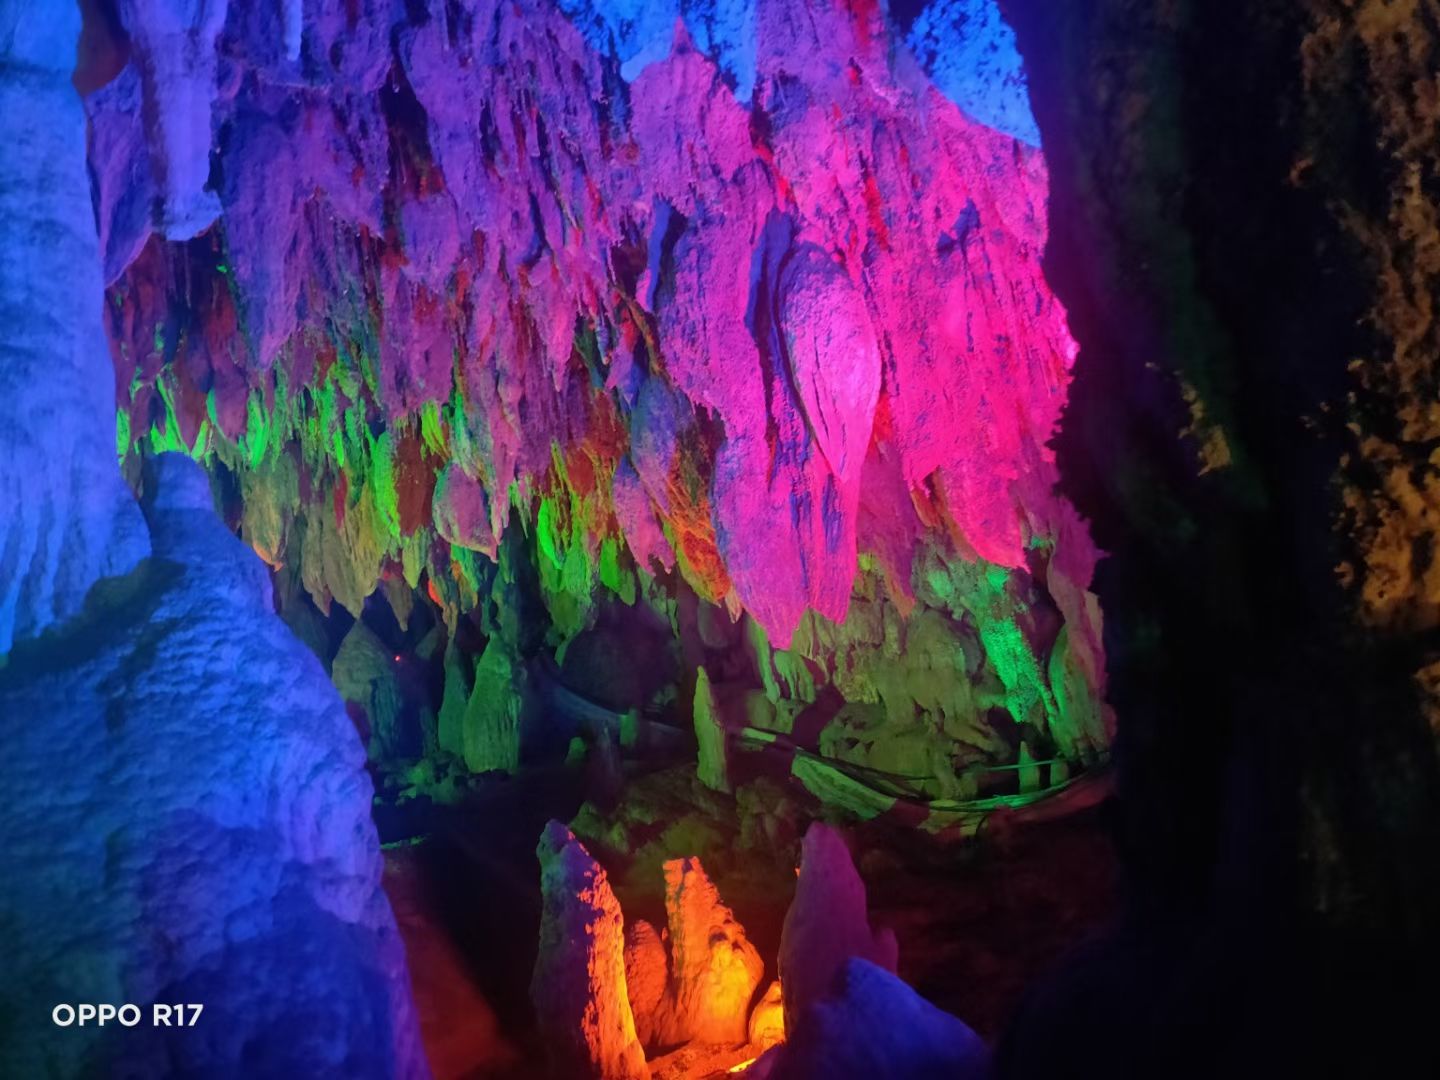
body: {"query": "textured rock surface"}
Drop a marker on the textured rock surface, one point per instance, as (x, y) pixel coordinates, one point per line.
(874, 1027)
(647, 976)
(745, 296)
(970, 51)
(578, 987)
(710, 737)
(173, 49)
(490, 731)
(767, 1019)
(189, 821)
(713, 968)
(1248, 256)
(65, 518)
(828, 923)
(363, 672)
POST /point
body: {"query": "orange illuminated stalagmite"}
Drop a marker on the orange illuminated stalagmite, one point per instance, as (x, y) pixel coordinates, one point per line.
(578, 987)
(714, 970)
(647, 976)
(767, 1021)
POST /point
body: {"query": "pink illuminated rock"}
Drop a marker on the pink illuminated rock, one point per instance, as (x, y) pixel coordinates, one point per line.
(462, 511)
(828, 923)
(636, 514)
(834, 357)
(771, 327)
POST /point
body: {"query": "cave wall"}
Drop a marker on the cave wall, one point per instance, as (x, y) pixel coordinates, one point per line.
(729, 307)
(1245, 251)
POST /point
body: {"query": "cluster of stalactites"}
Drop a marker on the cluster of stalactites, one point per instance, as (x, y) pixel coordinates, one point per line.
(461, 270)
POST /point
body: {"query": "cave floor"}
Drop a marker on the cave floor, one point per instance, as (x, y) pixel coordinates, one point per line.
(977, 920)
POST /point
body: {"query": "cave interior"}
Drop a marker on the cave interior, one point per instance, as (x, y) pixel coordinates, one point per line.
(796, 539)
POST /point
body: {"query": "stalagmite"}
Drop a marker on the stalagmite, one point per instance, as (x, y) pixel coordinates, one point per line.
(578, 987)
(188, 820)
(827, 924)
(364, 673)
(647, 977)
(767, 1020)
(714, 969)
(713, 767)
(187, 814)
(491, 727)
(875, 1027)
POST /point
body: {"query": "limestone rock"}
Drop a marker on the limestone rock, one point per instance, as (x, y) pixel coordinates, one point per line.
(65, 518)
(491, 727)
(462, 511)
(970, 52)
(453, 702)
(174, 49)
(875, 1027)
(828, 923)
(714, 969)
(188, 820)
(767, 1020)
(364, 673)
(713, 767)
(578, 987)
(647, 977)
(875, 223)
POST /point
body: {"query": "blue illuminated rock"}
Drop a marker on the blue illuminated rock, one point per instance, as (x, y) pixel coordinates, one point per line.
(875, 1027)
(65, 518)
(188, 820)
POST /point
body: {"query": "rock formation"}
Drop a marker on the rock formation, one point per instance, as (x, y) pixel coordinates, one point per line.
(875, 1027)
(647, 977)
(713, 969)
(187, 812)
(713, 768)
(491, 727)
(364, 673)
(828, 923)
(66, 520)
(189, 821)
(173, 48)
(578, 987)
(767, 1019)
(729, 293)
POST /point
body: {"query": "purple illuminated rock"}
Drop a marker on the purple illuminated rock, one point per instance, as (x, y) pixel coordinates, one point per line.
(737, 300)
(875, 1027)
(828, 924)
(189, 821)
(173, 48)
